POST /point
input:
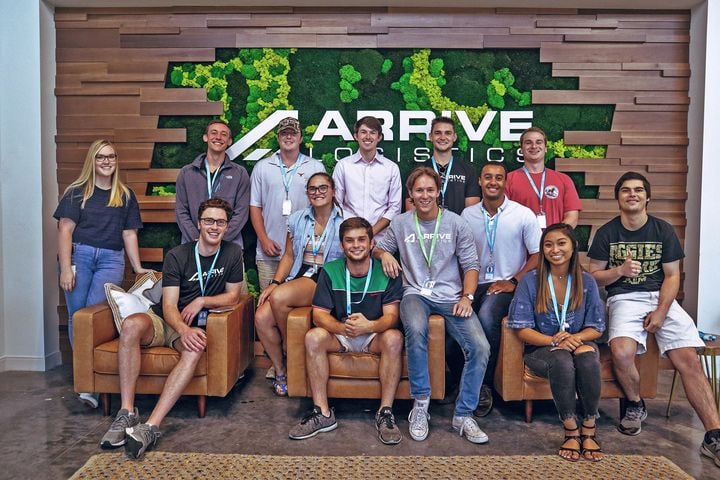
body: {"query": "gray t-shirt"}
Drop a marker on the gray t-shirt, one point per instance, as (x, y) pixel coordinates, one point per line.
(455, 253)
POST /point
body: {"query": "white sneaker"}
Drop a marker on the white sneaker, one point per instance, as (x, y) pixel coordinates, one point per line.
(89, 399)
(270, 374)
(467, 427)
(419, 427)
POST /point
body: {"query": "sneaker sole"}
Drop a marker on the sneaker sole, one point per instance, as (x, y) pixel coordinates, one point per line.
(89, 402)
(418, 438)
(106, 444)
(477, 441)
(622, 429)
(392, 441)
(319, 430)
(706, 451)
(133, 447)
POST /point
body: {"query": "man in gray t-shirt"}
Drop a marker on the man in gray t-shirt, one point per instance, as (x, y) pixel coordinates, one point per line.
(439, 264)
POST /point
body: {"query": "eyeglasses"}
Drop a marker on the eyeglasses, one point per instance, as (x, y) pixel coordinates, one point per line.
(101, 158)
(318, 189)
(209, 222)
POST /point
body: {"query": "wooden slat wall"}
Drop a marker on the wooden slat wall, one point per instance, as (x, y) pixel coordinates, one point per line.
(111, 66)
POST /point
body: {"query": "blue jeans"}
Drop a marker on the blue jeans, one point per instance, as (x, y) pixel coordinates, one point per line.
(94, 267)
(414, 312)
(490, 311)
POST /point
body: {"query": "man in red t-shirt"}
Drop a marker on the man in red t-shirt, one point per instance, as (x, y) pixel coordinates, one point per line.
(548, 193)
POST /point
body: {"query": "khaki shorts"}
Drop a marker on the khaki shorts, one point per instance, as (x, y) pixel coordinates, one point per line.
(163, 334)
(266, 271)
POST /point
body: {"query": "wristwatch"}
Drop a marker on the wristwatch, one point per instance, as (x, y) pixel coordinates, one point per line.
(470, 296)
(514, 281)
(276, 282)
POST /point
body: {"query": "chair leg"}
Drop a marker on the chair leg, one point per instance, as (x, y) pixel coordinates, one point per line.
(202, 404)
(672, 393)
(528, 411)
(105, 402)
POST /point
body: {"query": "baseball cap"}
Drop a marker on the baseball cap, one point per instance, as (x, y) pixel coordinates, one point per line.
(289, 123)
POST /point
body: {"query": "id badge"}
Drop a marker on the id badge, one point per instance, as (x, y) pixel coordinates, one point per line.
(490, 272)
(202, 318)
(427, 287)
(310, 272)
(287, 207)
(542, 220)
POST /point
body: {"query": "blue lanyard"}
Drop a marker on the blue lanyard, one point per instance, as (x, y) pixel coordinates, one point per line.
(566, 301)
(316, 246)
(348, 303)
(447, 175)
(490, 228)
(288, 174)
(199, 268)
(539, 193)
(211, 178)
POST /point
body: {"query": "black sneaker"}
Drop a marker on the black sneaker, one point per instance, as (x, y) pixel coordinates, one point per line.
(315, 422)
(388, 432)
(485, 403)
(631, 423)
(712, 449)
(140, 438)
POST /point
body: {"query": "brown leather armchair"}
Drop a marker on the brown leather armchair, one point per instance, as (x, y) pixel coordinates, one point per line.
(230, 337)
(355, 375)
(515, 381)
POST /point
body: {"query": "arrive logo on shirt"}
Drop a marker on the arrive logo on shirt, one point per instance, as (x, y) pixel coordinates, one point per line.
(215, 273)
(444, 237)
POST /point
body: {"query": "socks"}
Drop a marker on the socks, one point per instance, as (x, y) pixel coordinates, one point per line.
(423, 403)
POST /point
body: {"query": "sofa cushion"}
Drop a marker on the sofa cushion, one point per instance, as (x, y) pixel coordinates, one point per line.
(359, 366)
(153, 361)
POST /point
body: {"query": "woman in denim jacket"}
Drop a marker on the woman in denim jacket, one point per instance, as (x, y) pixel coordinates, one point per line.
(98, 219)
(312, 239)
(558, 313)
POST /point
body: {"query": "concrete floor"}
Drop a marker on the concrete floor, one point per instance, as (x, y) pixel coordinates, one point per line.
(48, 433)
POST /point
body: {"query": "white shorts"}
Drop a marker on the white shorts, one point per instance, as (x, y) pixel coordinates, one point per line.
(627, 312)
(359, 344)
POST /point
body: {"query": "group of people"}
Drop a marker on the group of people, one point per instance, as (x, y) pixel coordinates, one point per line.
(473, 248)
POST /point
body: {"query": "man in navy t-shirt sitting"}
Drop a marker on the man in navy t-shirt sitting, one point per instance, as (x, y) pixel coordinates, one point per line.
(197, 276)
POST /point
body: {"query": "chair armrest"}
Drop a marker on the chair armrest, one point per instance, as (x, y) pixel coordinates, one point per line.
(298, 323)
(436, 355)
(510, 364)
(647, 365)
(92, 326)
(229, 345)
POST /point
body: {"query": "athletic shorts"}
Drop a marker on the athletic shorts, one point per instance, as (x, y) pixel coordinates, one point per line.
(359, 344)
(627, 312)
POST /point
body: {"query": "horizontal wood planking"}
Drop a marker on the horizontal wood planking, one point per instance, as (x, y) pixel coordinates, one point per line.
(635, 61)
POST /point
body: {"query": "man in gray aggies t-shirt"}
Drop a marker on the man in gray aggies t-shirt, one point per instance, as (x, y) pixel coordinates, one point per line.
(435, 245)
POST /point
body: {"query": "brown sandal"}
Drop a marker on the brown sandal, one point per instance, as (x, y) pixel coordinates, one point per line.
(587, 452)
(563, 447)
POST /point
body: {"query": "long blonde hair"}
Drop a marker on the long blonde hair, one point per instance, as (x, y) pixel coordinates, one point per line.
(574, 269)
(118, 192)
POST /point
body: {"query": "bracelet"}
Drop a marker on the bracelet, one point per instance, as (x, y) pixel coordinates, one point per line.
(276, 282)
(514, 281)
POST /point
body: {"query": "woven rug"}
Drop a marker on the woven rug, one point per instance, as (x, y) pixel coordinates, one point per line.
(542, 467)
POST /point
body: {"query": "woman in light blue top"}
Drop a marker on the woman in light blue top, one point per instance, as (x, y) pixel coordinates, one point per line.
(312, 239)
(558, 313)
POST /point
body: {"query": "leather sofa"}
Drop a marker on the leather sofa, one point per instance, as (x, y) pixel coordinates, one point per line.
(355, 375)
(230, 337)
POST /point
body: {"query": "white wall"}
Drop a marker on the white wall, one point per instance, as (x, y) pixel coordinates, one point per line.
(22, 319)
(709, 257)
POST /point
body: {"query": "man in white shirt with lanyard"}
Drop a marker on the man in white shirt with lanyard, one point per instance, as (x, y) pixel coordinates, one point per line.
(435, 246)
(550, 194)
(197, 277)
(507, 238)
(277, 190)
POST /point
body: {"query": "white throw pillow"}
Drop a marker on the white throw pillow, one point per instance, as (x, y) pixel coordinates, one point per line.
(123, 304)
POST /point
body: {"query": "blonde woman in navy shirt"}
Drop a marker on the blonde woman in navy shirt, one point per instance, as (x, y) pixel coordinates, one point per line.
(98, 219)
(558, 313)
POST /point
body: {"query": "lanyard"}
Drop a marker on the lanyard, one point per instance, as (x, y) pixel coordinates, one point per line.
(316, 246)
(211, 178)
(288, 173)
(447, 175)
(566, 301)
(433, 241)
(532, 184)
(348, 303)
(490, 228)
(199, 268)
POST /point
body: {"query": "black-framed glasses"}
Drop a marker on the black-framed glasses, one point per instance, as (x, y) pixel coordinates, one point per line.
(312, 190)
(209, 222)
(100, 158)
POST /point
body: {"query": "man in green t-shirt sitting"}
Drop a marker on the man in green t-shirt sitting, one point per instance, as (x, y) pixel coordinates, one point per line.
(355, 309)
